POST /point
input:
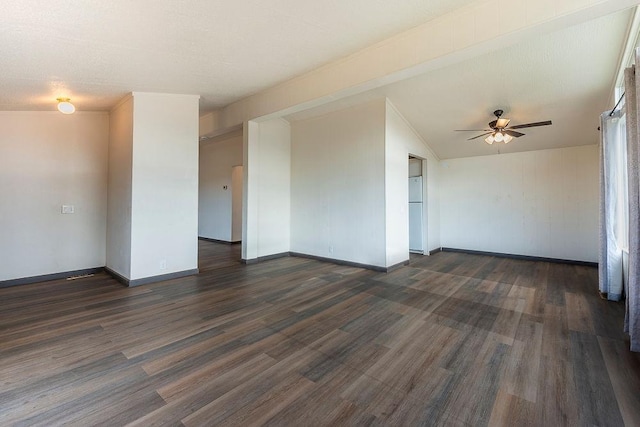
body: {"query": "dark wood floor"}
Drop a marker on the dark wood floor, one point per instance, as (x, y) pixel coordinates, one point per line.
(451, 339)
(213, 256)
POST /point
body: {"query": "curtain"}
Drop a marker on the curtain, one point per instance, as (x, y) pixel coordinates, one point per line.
(632, 317)
(611, 206)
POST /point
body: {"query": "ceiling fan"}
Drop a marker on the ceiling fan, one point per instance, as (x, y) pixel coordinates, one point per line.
(500, 131)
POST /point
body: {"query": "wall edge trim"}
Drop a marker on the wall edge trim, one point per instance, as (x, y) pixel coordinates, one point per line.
(523, 257)
(343, 262)
(48, 277)
(265, 258)
(224, 242)
(150, 279)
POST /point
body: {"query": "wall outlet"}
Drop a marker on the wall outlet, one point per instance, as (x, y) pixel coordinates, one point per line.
(163, 264)
(330, 249)
(67, 209)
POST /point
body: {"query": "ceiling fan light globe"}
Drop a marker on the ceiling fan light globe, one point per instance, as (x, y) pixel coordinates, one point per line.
(507, 138)
(489, 140)
(498, 137)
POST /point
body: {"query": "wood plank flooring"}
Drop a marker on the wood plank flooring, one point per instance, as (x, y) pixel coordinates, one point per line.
(452, 340)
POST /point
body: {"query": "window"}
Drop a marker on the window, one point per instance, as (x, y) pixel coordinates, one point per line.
(619, 163)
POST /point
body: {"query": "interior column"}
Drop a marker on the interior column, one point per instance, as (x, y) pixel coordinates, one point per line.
(152, 219)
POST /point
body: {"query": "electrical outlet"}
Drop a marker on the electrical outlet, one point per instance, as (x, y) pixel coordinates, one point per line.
(163, 264)
(330, 249)
(67, 209)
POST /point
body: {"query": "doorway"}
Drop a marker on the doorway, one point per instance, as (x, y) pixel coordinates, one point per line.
(220, 190)
(416, 206)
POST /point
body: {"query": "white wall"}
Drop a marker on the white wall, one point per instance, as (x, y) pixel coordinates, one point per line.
(50, 159)
(401, 141)
(217, 159)
(164, 223)
(538, 203)
(267, 189)
(338, 185)
(118, 250)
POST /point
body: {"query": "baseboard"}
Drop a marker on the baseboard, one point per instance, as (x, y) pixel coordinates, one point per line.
(265, 258)
(120, 278)
(523, 257)
(398, 265)
(346, 263)
(435, 251)
(224, 242)
(47, 277)
(153, 279)
(324, 259)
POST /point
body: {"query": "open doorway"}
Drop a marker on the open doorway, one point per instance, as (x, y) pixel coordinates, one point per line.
(417, 202)
(220, 200)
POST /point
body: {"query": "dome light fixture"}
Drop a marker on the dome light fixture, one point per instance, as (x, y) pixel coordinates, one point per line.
(65, 107)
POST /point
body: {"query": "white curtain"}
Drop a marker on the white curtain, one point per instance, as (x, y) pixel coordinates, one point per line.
(612, 203)
(632, 318)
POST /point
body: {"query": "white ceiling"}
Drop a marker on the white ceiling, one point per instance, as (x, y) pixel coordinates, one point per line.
(565, 76)
(96, 51)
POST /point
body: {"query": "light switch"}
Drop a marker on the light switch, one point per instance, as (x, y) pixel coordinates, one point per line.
(67, 209)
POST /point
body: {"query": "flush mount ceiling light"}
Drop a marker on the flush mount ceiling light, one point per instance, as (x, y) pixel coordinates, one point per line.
(499, 132)
(65, 107)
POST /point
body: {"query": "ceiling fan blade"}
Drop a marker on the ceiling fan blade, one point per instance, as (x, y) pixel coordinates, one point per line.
(513, 133)
(480, 136)
(531, 125)
(473, 130)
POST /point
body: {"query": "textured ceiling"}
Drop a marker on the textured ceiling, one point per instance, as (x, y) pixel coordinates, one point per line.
(565, 76)
(96, 51)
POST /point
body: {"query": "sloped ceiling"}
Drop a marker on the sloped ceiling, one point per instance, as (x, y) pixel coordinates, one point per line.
(565, 76)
